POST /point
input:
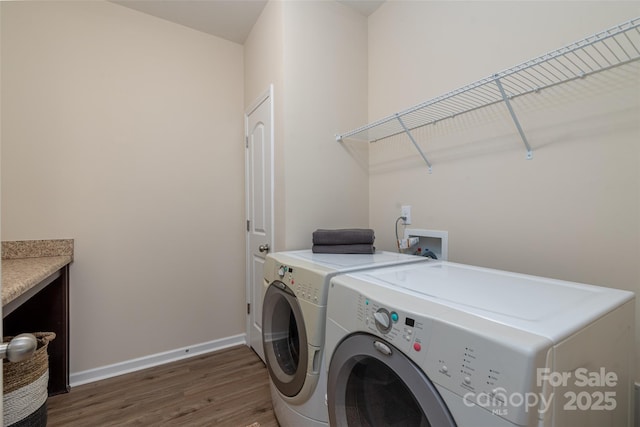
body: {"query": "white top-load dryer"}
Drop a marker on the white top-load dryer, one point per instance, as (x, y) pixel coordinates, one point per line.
(293, 326)
(453, 345)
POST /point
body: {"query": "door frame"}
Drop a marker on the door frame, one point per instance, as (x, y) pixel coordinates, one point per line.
(268, 97)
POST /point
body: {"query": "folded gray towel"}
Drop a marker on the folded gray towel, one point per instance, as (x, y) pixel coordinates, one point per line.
(343, 236)
(343, 249)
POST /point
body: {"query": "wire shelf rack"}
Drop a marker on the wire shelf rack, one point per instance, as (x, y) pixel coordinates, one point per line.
(602, 51)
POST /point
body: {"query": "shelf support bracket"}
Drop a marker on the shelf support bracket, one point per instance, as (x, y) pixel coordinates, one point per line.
(514, 117)
(413, 141)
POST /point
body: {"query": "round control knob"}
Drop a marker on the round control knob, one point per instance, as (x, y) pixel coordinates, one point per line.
(417, 346)
(281, 271)
(383, 320)
(394, 316)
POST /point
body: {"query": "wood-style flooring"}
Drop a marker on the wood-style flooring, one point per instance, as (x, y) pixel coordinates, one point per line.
(225, 388)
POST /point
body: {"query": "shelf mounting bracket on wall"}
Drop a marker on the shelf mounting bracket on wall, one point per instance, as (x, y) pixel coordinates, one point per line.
(413, 141)
(514, 117)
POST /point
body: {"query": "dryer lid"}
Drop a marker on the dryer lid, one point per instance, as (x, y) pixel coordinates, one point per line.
(548, 307)
(348, 262)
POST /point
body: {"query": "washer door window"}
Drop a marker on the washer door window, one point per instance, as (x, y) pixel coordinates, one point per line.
(284, 339)
(371, 383)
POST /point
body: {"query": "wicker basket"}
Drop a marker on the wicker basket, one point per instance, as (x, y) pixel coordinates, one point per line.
(25, 386)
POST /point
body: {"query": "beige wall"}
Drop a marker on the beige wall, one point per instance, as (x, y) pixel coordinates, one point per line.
(315, 54)
(125, 132)
(325, 72)
(573, 212)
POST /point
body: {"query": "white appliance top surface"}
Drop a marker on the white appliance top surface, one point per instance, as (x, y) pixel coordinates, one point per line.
(548, 307)
(353, 262)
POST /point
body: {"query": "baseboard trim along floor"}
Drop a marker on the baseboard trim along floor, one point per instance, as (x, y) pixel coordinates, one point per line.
(104, 372)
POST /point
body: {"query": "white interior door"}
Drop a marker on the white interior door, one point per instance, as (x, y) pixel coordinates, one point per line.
(259, 207)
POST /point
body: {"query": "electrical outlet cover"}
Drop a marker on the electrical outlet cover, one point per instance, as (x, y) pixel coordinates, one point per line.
(405, 211)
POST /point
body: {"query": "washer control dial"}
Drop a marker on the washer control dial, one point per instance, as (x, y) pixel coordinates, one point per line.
(282, 271)
(382, 318)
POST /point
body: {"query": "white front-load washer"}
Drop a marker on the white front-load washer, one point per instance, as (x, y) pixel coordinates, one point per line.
(293, 326)
(450, 345)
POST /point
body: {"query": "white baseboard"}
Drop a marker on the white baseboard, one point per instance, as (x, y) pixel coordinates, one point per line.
(101, 373)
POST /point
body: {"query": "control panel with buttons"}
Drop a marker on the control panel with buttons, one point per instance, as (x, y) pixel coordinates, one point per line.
(301, 283)
(403, 331)
(451, 355)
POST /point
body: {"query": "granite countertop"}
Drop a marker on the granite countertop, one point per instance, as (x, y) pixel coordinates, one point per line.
(27, 263)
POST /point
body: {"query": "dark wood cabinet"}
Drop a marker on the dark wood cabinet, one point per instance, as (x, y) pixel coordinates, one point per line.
(47, 311)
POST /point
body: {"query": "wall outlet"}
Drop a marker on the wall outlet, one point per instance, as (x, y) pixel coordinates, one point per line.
(405, 211)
